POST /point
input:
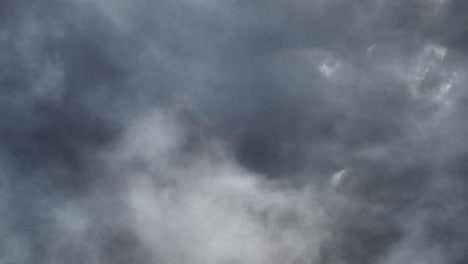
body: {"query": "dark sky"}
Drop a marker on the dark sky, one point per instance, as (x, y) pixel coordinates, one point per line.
(233, 131)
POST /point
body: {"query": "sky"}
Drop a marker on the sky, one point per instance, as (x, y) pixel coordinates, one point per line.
(233, 131)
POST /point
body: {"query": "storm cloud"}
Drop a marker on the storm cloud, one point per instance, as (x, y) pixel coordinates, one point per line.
(206, 131)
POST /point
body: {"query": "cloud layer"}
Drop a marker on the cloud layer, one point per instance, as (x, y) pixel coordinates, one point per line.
(205, 131)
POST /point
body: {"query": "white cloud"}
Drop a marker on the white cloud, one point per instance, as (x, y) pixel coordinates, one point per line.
(211, 210)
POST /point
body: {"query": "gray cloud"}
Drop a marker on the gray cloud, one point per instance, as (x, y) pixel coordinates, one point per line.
(204, 131)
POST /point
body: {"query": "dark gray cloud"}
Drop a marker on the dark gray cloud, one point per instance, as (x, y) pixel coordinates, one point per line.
(204, 131)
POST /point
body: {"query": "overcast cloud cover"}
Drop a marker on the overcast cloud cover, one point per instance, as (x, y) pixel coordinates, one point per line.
(233, 131)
